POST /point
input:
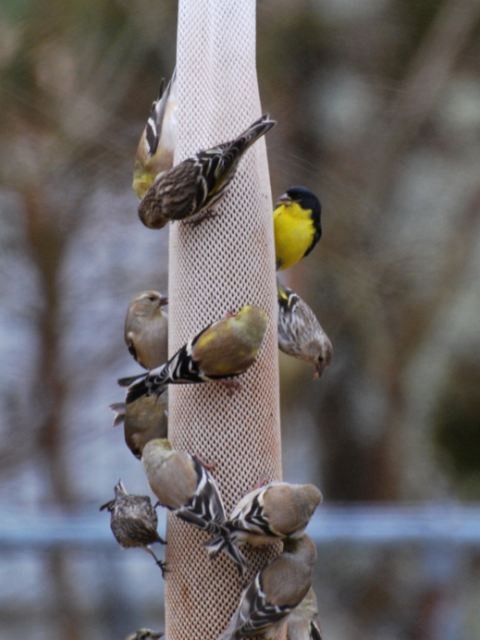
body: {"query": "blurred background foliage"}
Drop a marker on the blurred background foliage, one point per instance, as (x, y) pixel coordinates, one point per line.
(378, 110)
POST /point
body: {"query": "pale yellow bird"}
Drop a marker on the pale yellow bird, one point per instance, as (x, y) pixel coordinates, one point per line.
(143, 420)
(146, 329)
(274, 593)
(270, 513)
(184, 485)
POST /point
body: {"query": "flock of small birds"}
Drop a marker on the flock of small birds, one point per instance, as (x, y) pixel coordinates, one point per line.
(182, 482)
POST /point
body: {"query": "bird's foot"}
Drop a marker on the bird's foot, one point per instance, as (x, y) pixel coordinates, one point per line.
(209, 466)
(261, 482)
(196, 219)
(163, 568)
(230, 385)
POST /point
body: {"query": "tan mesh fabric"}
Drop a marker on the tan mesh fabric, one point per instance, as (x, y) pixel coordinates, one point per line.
(214, 267)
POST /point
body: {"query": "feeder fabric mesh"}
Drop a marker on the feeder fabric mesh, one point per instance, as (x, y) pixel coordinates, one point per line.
(215, 267)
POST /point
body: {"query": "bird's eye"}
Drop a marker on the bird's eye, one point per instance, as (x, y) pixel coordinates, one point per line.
(152, 298)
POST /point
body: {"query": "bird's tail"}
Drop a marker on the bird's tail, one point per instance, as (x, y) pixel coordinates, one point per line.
(144, 384)
(157, 113)
(315, 631)
(118, 409)
(224, 542)
(255, 131)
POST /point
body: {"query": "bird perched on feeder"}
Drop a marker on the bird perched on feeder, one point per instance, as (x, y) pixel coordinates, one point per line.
(143, 420)
(299, 332)
(157, 143)
(297, 225)
(133, 521)
(274, 592)
(184, 485)
(144, 634)
(302, 622)
(146, 329)
(197, 183)
(223, 350)
(275, 511)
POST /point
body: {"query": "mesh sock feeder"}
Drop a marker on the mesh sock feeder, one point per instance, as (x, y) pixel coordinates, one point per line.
(217, 266)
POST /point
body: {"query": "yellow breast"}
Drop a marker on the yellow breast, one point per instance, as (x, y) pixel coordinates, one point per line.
(294, 232)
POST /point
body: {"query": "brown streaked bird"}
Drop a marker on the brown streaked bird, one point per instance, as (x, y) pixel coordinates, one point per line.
(196, 184)
(300, 334)
(146, 329)
(274, 592)
(184, 485)
(143, 420)
(133, 521)
(270, 513)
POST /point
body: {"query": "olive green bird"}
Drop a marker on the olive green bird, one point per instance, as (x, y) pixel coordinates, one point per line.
(297, 225)
(223, 350)
(300, 334)
(143, 420)
(196, 184)
(146, 329)
(157, 143)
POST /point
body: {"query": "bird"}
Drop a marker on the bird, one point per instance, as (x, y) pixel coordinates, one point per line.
(143, 420)
(300, 334)
(224, 349)
(157, 143)
(274, 592)
(270, 513)
(145, 634)
(302, 623)
(133, 521)
(183, 484)
(146, 329)
(196, 184)
(297, 225)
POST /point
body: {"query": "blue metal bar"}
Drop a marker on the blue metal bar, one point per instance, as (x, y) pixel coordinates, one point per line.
(379, 525)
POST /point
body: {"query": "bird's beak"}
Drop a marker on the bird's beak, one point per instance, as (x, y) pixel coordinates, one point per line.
(284, 198)
(107, 505)
(163, 301)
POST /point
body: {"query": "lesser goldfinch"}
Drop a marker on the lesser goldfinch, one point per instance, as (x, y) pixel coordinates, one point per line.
(197, 183)
(300, 334)
(157, 143)
(183, 484)
(133, 521)
(146, 329)
(297, 225)
(223, 350)
(274, 592)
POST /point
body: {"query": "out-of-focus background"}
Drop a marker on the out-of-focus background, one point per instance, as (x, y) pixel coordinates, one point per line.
(378, 104)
